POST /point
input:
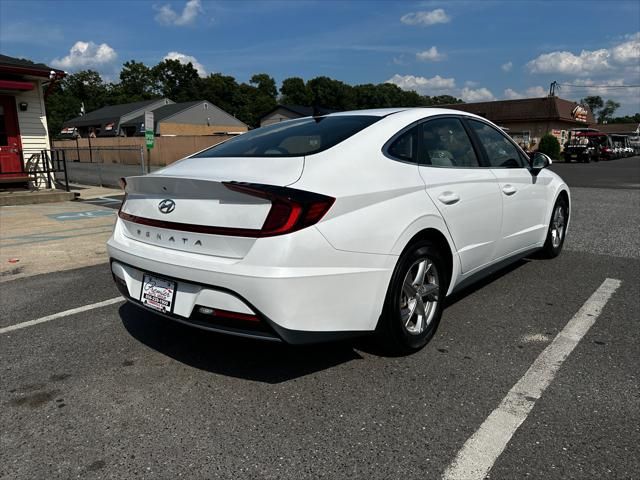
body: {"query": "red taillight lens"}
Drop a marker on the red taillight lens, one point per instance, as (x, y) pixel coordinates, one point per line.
(291, 209)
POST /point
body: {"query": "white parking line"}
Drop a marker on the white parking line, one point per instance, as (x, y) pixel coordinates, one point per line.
(483, 448)
(66, 313)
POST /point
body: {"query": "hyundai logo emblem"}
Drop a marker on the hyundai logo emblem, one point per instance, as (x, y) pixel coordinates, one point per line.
(167, 206)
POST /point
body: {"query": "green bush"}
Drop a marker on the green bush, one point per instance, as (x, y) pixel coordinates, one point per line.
(550, 145)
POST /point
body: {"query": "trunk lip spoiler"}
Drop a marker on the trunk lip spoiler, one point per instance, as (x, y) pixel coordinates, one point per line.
(277, 195)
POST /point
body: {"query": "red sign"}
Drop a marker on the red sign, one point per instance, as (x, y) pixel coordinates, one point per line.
(579, 114)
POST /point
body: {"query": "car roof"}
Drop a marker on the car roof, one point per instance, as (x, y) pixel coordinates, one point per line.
(407, 112)
(373, 112)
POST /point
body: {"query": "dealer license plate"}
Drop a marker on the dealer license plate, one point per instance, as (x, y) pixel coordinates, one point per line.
(158, 293)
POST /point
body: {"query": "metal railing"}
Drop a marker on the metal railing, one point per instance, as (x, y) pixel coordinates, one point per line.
(104, 165)
(102, 154)
(44, 168)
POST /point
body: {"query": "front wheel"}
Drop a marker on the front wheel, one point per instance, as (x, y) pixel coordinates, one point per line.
(413, 305)
(557, 229)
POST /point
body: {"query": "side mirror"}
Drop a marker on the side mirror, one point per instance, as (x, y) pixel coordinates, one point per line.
(539, 161)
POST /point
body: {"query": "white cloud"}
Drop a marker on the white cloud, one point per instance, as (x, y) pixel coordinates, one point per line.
(86, 55)
(566, 62)
(185, 59)
(628, 52)
(588, 86)
(168, 16)
(423, 85)
(477, 95)
(426, 18)
(431, 54)
(589, 61)
(531, 92)
(537, 91)
(511, 94)
(506, 67)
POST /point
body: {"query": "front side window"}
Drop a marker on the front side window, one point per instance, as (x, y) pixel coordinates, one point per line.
(501, 153)
(294, 138)
(445, 143)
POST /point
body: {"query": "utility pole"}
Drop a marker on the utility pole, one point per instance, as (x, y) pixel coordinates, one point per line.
(552, 88)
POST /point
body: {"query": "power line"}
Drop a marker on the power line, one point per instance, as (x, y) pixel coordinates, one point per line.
(597, 86)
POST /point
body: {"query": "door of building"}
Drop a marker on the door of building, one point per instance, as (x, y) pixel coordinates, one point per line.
(10, 146)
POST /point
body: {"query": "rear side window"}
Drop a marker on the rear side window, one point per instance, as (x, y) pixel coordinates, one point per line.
(293, 138)
(403, 147)
(445, 143)
(501, 153)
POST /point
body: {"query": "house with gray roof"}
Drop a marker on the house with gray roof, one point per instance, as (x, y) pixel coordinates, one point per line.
(107, 121)
(199, 117)
(282, 113)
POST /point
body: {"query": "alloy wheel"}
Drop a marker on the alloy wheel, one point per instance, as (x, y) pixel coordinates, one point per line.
(558, 224)
(420, 296)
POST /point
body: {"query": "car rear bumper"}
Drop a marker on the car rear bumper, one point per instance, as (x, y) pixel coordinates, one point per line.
(299, 304)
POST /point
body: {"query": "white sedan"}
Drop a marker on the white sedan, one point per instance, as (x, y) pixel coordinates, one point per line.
(336, 225)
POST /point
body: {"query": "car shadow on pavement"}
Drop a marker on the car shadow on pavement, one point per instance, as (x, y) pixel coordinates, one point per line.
(233, 356)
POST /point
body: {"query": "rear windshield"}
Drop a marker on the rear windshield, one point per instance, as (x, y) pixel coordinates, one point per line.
(292, 138)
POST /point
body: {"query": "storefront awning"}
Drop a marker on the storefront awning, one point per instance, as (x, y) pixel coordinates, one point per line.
(16, 85)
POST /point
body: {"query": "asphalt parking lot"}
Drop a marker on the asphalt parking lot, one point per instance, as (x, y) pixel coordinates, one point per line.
(115, 392)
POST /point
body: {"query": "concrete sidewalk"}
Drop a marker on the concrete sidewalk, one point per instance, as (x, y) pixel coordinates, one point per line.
(44, 238)
(103, 173)
(90, 192)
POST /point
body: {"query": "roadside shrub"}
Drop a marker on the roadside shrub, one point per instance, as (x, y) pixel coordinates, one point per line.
(550, 146)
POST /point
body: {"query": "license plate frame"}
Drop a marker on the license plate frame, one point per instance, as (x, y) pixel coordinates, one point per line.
(158, 293)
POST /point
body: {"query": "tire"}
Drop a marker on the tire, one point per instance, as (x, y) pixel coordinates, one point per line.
(557, 230)
(413, 308)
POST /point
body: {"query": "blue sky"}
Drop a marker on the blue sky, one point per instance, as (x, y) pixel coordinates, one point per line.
(476, 50)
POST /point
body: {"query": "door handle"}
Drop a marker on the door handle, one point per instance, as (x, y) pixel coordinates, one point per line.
(449, 198)
(509, 189)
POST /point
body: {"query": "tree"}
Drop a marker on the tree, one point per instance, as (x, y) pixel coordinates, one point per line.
(627, 119)
(549, 145)
(594, 103)
(65, 101)
(295, 92)
(136, 81)
(265, 85)
(445, 100)
(86, 87)
(607, 111)
(175, 80)
(329, 93)
(221, 90)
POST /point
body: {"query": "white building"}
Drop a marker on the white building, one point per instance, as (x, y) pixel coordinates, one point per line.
(23, 119)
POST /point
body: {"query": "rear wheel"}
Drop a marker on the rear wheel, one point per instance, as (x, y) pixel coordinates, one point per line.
(413, 305)
(557, 229)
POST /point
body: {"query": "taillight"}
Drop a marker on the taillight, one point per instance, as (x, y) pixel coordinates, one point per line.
(291, 209)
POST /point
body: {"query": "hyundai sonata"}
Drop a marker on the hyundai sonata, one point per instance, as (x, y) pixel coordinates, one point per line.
(336, 225)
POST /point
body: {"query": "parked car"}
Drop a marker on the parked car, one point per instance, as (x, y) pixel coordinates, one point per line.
(333, 226)
(634, 144)
(583, 146)
(608, 150)
(622, 145)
